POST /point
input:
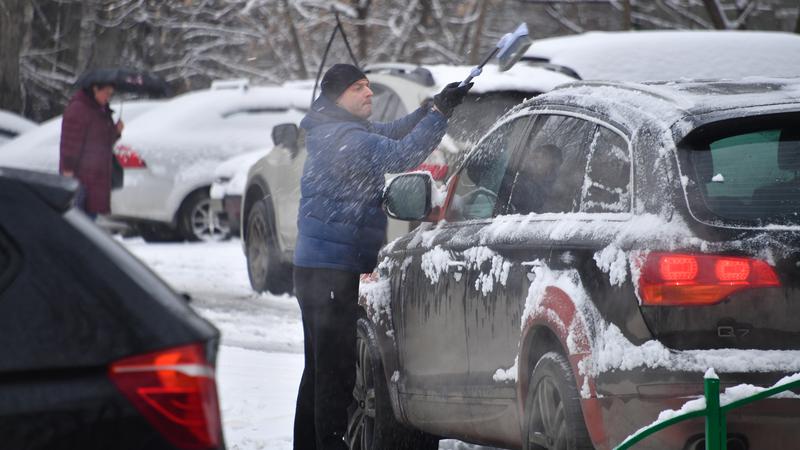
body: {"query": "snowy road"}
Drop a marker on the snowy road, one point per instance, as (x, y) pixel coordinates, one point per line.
(260, 359)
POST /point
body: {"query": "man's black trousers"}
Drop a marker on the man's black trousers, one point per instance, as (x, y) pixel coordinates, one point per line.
(329, 306)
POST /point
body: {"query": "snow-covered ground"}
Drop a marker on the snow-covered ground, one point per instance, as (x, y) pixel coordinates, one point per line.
(261, 359)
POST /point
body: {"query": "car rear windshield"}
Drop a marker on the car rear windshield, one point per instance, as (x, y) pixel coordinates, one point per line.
(751, 175)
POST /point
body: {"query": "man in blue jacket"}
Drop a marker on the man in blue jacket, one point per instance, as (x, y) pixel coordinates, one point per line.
(341, 228)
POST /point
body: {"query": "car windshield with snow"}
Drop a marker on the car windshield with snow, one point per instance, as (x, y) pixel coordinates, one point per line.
(599, 249)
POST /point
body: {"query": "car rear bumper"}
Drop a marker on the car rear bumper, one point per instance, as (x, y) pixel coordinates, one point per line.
(145, 196)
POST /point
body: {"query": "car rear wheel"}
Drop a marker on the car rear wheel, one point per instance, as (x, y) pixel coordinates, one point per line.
(371, 423)
(198, 222)
(553, 417)
(264, 266)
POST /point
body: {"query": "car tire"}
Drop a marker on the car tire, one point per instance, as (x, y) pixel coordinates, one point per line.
(371, 421)
(553, 416)
(197, 221)
(264, 266)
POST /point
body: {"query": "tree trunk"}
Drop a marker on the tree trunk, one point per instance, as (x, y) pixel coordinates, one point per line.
(627, 21)
(716, 13)
(302, 73)
(87, 36)
(475, 51)
(797, 26)
(11, 22)
(362, 9)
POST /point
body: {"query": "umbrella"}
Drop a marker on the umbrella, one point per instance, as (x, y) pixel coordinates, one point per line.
(126, 80)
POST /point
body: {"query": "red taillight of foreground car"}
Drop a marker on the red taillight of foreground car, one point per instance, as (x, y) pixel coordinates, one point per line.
(128, 158)
(175, 390)
(677, 279)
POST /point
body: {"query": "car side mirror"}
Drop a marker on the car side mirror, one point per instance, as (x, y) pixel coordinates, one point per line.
(286, 135)
(408, 196)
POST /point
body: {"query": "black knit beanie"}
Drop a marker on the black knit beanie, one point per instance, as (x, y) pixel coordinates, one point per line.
(338, 78)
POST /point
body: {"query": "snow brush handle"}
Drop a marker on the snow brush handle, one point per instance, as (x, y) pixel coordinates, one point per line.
(474, 73)
(477, 70)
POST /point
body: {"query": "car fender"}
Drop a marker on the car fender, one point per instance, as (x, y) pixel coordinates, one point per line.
(189, 179)
(557, 313)
(277, 175)
(374, 298)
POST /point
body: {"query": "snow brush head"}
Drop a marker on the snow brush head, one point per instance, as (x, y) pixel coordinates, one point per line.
(512, 46)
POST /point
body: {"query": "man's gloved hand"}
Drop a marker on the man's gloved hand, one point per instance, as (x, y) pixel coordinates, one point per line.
(450, 97)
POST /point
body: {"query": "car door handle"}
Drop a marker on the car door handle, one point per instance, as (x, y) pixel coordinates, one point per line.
(532, 266)
(457, 269)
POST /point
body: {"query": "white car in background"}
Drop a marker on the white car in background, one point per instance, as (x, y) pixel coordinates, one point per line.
(170, 155)
(38, 148)
(228, 187)
(669, 55)
(12, 125)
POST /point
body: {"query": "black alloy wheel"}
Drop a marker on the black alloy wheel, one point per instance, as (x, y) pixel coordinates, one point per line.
(264, 267)
(371, 424)
(553, 416)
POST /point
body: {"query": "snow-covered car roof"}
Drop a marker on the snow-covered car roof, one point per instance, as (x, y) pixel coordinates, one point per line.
(521, 77)
(200, 109)
(672, 55)
(668, 102)
(14, 122)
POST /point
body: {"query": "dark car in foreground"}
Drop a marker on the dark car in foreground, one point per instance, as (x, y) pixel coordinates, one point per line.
(97, 351)
(600, 248)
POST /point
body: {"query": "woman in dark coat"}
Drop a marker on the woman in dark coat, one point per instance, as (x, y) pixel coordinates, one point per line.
(88, 134)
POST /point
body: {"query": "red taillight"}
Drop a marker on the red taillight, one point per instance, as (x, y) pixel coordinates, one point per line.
(128, 158)
(677, 268)
(690, 279)
(175, 390)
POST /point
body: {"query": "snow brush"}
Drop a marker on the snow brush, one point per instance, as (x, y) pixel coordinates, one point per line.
(509, 50)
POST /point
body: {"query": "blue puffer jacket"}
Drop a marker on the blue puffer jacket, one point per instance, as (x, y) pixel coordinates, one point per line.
(340, 223)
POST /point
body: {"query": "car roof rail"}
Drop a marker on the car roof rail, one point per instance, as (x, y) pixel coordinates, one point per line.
(544, 63)
(241, 84)
(412, 72)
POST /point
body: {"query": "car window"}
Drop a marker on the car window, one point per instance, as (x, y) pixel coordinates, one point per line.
(552, 166)
(606, 187)
(750, 176)
(486, 176)
(386, 105)
(476, 115)
(253, 118)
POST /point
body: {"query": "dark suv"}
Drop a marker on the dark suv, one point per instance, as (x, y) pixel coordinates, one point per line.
(600, 248)
(97, 351)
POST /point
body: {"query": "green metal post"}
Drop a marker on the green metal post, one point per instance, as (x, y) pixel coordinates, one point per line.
(713, 415)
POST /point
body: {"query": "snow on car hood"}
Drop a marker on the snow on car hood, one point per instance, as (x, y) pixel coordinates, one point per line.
(230, 177)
